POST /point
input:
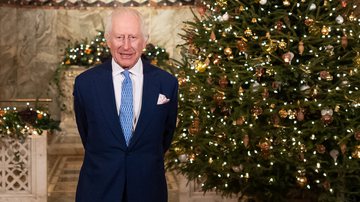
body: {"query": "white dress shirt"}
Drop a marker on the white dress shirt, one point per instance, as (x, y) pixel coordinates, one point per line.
(137, 78)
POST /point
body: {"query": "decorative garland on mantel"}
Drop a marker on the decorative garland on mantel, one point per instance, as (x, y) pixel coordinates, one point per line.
(83, 4)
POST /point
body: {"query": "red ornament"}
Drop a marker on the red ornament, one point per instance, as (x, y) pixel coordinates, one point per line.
(357, 135)
(320, 148)
(279, 25)
(309, 22)
(246, 140)
(343, 4)
(300, 115)
(201, 9)
(223, 82)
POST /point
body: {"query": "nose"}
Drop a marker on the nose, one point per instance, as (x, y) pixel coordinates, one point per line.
(126, 43)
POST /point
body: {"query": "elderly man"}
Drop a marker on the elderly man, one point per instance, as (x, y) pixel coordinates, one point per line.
(126, 114)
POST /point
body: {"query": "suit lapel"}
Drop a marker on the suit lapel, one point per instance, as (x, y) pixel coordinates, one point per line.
(105, 90)
(149, 99)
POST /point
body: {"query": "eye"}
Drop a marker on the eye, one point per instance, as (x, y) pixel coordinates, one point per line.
(132, 38)
(121, 37)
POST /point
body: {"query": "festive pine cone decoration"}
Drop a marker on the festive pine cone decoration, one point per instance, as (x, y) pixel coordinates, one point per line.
(28, 116)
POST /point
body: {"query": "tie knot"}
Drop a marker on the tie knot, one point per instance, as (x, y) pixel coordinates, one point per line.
(126, 73)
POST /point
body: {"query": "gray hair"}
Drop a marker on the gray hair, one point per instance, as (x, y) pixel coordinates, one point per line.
(125, 10)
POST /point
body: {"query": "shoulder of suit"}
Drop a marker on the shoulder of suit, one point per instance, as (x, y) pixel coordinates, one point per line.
(160, 72)
(96, 70)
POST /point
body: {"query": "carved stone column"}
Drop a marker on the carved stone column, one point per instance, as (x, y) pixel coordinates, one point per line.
(67, 141)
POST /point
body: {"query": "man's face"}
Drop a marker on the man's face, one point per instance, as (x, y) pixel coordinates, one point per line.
(125, 40)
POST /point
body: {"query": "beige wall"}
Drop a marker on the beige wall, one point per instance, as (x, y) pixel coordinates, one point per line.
(32, 42)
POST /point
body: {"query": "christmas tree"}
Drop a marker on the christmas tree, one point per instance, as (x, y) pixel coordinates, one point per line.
(269, 100)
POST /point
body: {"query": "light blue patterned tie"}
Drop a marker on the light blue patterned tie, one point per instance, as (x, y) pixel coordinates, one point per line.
(126, 107)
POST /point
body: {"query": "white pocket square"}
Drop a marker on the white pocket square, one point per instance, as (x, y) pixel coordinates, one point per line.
(162, 99)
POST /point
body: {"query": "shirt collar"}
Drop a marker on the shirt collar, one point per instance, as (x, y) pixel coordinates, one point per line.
(135, 70)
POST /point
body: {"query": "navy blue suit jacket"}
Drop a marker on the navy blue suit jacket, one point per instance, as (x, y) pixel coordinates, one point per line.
(110, 168)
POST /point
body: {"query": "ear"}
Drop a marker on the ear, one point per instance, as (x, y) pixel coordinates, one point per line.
(107, 39)
(146, 39)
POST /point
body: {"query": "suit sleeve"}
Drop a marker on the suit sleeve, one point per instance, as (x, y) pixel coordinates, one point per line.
(172, 117)
(80, 115)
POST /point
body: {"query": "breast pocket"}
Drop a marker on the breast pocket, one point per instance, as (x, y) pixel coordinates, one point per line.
(162, 110)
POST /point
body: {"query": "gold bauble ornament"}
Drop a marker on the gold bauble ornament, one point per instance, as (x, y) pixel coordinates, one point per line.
(302, 180)
(357, 61)
(240, 121)
(193, 49)
(264, 144)
(326, 3)
(241, 8)
(200, 66)
(248, 32)
(265, 93)
(193, 88)
(253, 20)
(195, 126)
(219, 98)
(241, 90)
(337, 108)
(228, 51)
(181, 81)
(283, 113)
(356, 152)
(221, 3)
(314, 30)
(259, 72)
(286, 3)
(325, 30)
(301, 47)
(282, 44)
(352, 17)
(256, 111)
(270, 46)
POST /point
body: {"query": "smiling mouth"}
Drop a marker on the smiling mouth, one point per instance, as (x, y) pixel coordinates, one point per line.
(126, 55)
